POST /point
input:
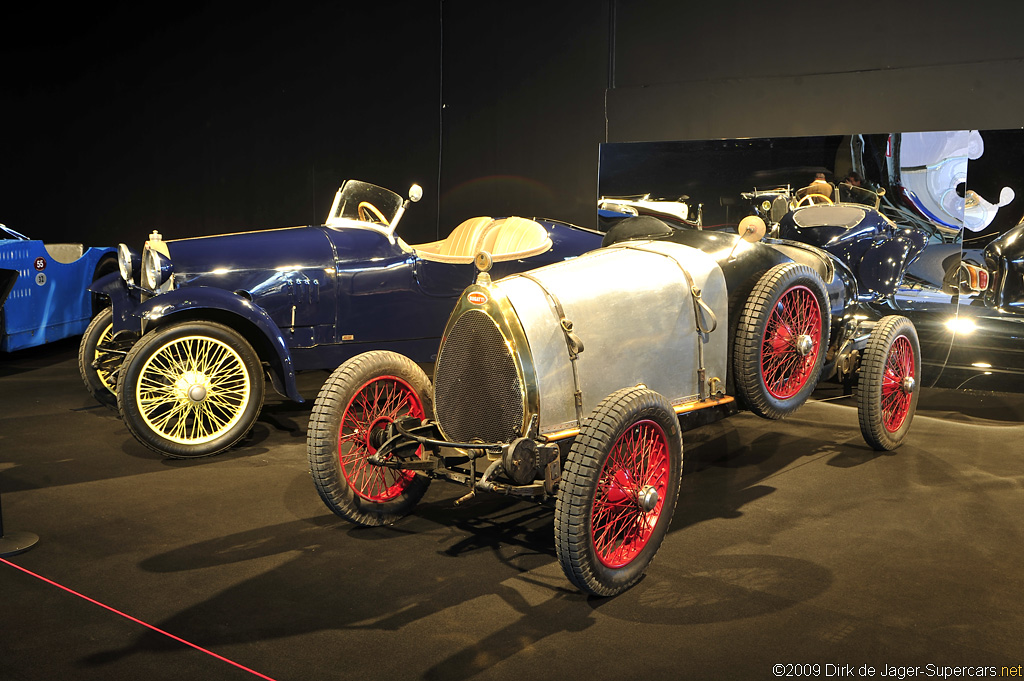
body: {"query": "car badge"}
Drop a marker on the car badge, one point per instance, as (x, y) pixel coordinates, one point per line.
(477, 298)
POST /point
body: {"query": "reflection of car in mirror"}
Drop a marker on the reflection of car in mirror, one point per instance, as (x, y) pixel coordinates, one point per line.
(564, 384)
(198, 321)
(872, 246)
(770, 204)
(48, 288)
(611, 209)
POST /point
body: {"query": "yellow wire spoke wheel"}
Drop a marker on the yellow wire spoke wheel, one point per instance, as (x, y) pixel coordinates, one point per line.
(192, 390)
(104, 371)
(100, 357)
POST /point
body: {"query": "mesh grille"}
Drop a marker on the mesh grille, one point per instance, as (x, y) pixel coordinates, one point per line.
(477, 394)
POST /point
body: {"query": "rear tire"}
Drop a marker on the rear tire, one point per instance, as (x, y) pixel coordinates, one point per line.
(618, 491)
(362, 397)
(888, 389)
(100, 359)
(781, 340)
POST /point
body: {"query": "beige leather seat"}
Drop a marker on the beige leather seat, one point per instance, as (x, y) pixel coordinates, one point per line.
(65, 253)
(514, 238)
(461, 245)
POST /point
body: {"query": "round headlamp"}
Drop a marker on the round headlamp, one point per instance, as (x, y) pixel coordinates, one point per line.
(126, 262)
(156, 269)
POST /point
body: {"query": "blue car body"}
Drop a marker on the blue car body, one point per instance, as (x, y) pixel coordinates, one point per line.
(314, 296)
(875, 249)
(48, 288)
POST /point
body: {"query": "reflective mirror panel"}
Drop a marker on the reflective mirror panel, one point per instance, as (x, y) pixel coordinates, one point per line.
(936, 216)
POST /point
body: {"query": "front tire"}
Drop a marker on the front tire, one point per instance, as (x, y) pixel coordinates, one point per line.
(889, 380)
(618, 491)
(191, 389)
(781, 340)
(357, 402)
(100, 358)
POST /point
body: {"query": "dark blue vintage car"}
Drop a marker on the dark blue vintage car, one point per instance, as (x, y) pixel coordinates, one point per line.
(870, 256)
(195, 324)
(875, 249)
(48, 288)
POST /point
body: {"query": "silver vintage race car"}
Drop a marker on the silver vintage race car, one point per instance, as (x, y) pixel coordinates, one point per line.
(565, 384)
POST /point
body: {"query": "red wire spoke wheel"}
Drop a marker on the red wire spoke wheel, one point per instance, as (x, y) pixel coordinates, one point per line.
(350, 416)
(630, 494)
(376, 404)
(888, 387)
(618, 491)
(790, 347)
(781, 339)
(895, 398)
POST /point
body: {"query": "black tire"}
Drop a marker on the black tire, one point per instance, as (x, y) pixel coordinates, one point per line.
(781, 340)
(890, 375)
(100, 358)
(191, 389)
(361, 397)
(601, 482)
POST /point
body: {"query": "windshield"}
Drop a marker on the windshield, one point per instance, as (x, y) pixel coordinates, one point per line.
(849, 193)
(11, 232)
(365, 202)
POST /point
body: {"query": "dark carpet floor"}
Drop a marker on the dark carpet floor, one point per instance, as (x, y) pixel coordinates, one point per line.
(793, 543)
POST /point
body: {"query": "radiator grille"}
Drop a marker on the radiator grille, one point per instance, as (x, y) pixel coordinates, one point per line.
(477, 394)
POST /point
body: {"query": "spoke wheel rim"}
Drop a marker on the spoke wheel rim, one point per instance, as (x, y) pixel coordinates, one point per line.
(378, 402)
(103, 356)
(168, 375)
(899, 365)
(637, 463)
(784, 369)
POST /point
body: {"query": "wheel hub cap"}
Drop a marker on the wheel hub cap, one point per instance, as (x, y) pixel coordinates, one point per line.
(908, 385)
(375, 434)
(192, 386)
(804, 344)
(648, 498)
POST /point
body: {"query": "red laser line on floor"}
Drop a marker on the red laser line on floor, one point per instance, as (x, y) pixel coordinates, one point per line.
(138, 621)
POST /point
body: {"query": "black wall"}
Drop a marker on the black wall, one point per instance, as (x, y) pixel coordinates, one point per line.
(740, 69)
(198, 119)
(202, 119)
(523, 92)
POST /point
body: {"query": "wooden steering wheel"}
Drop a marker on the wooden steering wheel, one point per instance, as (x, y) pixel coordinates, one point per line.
(367, 207)
(814, 199)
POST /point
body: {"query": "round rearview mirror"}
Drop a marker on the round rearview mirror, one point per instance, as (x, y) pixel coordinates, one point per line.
(752, 228)
(415, 193)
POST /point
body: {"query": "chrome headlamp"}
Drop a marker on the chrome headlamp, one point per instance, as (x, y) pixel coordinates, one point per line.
(156, 270)
(127, 263)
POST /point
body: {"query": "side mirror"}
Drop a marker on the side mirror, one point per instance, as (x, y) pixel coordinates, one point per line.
(415, 193)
